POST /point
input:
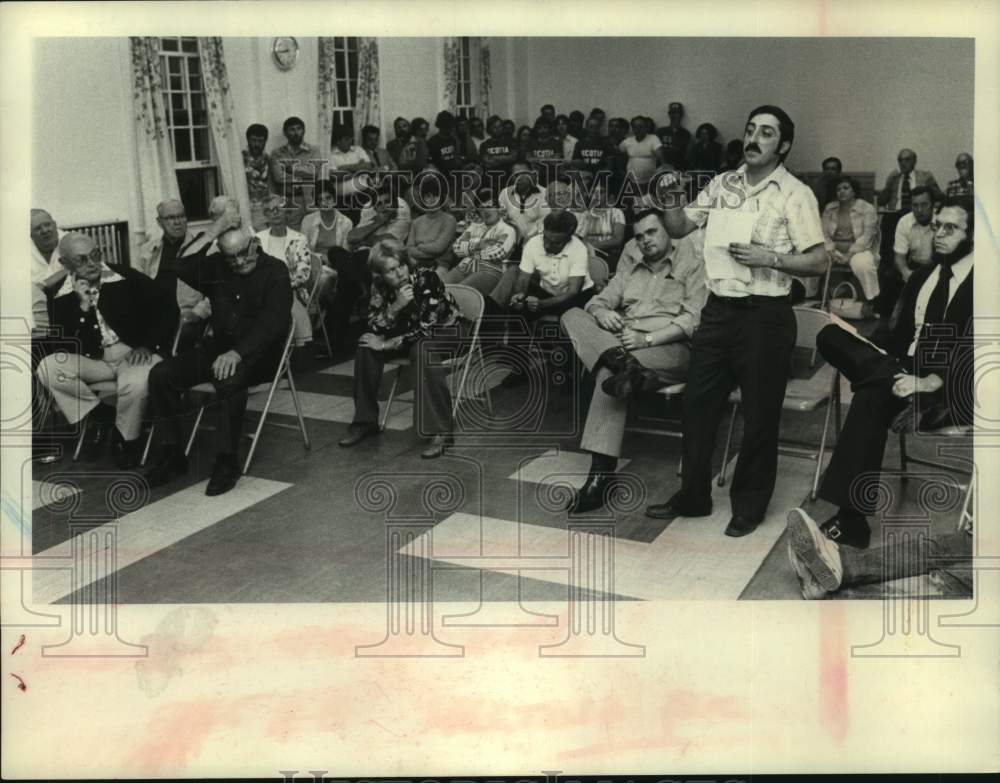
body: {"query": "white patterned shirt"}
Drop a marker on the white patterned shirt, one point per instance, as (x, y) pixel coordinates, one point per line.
(787, 222)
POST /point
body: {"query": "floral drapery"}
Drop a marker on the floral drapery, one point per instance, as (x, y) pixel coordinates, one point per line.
(367, 110)
(485, 77)
(452, 54)
(225, 136)
(157, 180)
(367, 106)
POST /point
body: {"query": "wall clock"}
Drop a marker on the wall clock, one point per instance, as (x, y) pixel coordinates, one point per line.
(285, 52)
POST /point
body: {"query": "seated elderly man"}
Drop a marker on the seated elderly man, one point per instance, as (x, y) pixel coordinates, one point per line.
(410, 313)
(251, 301)
(158, 260)
(123, 324)
(46, 271)
(633, 334)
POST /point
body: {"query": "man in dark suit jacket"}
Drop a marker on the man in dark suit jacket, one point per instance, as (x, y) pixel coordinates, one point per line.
(919, 371)
(896, 193)
(121, 324)
(251, 299)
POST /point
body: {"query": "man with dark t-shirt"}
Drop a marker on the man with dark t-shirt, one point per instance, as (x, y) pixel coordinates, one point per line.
(443, 146)
(675, 139)
(498, 152)
(544, 151)
(593, 152)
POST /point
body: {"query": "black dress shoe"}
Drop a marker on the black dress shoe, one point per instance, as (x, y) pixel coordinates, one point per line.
(675, 507)
(622, 384)
(591, 495)
(356, 433)
(96, 441)
(847, 532)
(171, 463)
(225, 472)
(741, 525)
(126, 453)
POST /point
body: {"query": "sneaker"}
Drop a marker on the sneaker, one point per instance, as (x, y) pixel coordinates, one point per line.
(815, 558)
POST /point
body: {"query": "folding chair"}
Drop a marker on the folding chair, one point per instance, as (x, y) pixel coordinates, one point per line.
(803, 396)
(669, 392)
(956, 432)
(284, 369)
(470, 304)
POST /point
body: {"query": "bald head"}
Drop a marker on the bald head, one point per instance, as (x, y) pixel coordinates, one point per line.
(44, 232)
(240, 249)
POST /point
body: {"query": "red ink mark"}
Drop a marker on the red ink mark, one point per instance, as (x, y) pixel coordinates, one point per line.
(833, 670)
(20, 682)
(19, 645)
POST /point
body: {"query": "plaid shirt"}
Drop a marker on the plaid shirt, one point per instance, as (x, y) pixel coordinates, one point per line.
(787, 222)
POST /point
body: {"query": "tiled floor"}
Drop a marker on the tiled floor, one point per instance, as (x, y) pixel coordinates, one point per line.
(487, 520)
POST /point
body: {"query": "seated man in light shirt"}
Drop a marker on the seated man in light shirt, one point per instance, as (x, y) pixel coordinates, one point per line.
(914, 243)
(635, 333)
(46, 271)
(524, 201)
(347, 165)
(552, 276)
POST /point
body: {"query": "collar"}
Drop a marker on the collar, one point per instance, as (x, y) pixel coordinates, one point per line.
(668, 266)
(961, 269)
(108, 275)
(779, 177)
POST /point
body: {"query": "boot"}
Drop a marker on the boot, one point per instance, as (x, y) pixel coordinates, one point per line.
(592, 493)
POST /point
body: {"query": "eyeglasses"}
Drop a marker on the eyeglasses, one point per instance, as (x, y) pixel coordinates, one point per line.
(946, 228)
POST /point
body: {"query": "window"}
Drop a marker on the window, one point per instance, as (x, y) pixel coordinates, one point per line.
(187, 119)
(467, 95)
(345, 78)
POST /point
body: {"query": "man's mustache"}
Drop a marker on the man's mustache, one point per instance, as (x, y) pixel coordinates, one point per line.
(751, 147)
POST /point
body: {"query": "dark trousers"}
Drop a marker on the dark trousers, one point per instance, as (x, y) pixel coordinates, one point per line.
(352, 281)
(169, 379)
(746, 343)
(857, 458)
(431, 397)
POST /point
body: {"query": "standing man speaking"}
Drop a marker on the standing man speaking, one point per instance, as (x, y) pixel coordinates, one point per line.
(747, 330)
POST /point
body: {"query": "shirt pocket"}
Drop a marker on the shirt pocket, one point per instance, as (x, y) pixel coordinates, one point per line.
(669, 297)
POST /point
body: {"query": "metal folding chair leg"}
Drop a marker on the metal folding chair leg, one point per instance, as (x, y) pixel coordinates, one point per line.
(903, 461)
(486, 389)
(325, 333)
(729, 442)
(149, 443)
(79, 441)
(298, 411)
(388, 402)
(194, 430)
(822, 440)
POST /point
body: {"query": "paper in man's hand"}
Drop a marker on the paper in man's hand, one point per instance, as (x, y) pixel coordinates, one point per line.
(726, 226)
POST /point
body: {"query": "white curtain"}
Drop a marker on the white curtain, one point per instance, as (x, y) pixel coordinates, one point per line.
(452, 53)
(225, 135)
(157, 179)
(485, 78)
(326, 95)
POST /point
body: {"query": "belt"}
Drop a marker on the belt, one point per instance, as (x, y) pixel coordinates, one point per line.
(753, 300)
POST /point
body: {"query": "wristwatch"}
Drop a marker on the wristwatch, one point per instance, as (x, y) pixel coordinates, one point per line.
(648, 340)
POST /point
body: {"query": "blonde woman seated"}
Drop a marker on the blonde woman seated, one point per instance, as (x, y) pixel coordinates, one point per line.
(410, 313)
(484, 248)
(849, 230)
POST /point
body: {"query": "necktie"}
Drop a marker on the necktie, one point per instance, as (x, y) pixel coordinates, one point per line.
(936, 306)
(904, 194)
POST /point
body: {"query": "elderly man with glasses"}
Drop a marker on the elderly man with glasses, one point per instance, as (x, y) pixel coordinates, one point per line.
(251, 299)
(122, 324)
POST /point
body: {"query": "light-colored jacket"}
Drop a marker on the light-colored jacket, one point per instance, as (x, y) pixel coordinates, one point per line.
(864, 220)
(188, 298)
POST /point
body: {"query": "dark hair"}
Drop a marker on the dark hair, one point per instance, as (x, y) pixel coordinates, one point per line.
(596, 111)
(444, 120)
(966, 205)
(560, 222)
(855, 185)
(418, 121)
(290, 122)
(430, 191)
(639, 117)
(547, 106)
(543, 122)
(786, 128)
(517, 136)
(493, 118)
(645, 213)
(562, 117)
(576, 115)
(713, 132)
(840, 165)
(487, 198)
(921, 190)
(342, 132)
(398, 120)
(257, 130)
(370, 129)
